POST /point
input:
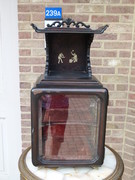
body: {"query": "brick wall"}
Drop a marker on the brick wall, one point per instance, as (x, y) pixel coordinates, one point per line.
(112, 57)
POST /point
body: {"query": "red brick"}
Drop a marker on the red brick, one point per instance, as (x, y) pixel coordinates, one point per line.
(125, 36)
(25, 85)
(32, 60)
(96, 62)
(126, 18)
(76, 1)
(115, 79)
(68, 9)
(38, 52)
(45, 1)
(31, 43)
(131, 104)
(134, 35)
(120, 28)
(134, 46)
(24, 35)
(108, 132)
(38, 69)
(133, 54)
(109, 117)
(123, 70)
(38, 36)
(105, 36)
(128, 1)
(117, 45)
(117, 133)
(24, 52)
(124, 54)
(132, 88)
(130, 134)
(129, 149)
(26, 130)
(122, 87)
(25, 68)
(133, 63)
(25, 108)
(24, 93)
(37, 8)
(25, 116)
(30, 77)
(38, 17)
(103, 53)
(98, 76)
(132, 71)
(115, 126)
(114, 140)
(105, 18)
(120, 118)
(105, 1)
(102, 70)
(117, 147)
(128, 157)
(26, 123)
(131, 119)
(24, 26)
(26, 137)
(25, 145)
(31, 8)
(96, 45)
(110, 87)
(125, 176)
(111, 103)
(120, 9)
(121, 103)
(130, 127)
(89, 8)
(131, 96)
(132, 80)
(77, 17)
(117, 110)
(23, 1)
(24, 17)
(131, 112)
(129, 163)
(24, 8)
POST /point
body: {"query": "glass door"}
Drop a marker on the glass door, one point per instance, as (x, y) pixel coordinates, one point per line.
(68, 126)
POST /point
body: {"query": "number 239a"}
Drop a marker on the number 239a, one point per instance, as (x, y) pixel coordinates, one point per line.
(53, 13)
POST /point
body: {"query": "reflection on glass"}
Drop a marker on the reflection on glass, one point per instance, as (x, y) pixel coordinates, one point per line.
(68, 126)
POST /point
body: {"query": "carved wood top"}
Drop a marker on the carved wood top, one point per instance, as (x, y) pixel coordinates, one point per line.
(68, 22)
(69, 26)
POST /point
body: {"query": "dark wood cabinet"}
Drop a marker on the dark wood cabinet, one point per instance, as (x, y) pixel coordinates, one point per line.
(68, 104)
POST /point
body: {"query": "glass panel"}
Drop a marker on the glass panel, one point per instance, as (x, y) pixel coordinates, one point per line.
(68, 127)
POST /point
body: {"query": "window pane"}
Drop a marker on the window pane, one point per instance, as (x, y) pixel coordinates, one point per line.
(68, 127)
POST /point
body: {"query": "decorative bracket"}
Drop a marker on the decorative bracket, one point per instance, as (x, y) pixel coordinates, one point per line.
(68, 22)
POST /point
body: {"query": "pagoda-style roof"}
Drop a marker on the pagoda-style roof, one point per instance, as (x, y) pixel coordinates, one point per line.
(69, 26)
(68, 48)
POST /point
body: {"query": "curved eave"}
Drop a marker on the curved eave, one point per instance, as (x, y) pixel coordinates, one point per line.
(100, 30)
